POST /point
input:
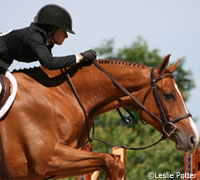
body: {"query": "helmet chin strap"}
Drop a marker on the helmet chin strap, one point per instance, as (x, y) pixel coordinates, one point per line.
(49, 41)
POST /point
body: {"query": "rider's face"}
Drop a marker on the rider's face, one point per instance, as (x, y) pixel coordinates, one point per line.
(59, 36)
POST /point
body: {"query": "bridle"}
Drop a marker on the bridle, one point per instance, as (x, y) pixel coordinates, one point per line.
(169, 126)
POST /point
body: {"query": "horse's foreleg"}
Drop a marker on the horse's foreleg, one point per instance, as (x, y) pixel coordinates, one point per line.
(68, 161)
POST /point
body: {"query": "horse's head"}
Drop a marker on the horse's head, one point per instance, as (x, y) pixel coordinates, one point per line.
(175, 120)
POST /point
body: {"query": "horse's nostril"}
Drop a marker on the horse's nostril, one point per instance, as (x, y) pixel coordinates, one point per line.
(192, 140)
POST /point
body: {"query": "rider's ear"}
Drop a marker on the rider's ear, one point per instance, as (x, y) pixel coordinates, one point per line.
(163, 66)
(172, 68)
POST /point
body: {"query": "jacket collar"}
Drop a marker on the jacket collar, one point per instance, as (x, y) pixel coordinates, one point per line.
(35, 27)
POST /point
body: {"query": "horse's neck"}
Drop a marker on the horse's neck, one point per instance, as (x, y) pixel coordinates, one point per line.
(97, 90)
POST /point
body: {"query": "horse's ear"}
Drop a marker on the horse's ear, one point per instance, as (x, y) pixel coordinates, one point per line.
(172, 68)
(163, 66)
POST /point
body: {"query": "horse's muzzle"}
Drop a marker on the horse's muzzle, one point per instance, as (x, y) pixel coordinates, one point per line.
(186, 143)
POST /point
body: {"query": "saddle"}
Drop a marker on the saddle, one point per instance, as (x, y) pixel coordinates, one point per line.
(5, 92)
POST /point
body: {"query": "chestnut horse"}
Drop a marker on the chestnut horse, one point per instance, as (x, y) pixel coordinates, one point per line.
(45, 128)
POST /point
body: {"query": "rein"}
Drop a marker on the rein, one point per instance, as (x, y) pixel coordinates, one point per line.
(168, 126)
(81, 105)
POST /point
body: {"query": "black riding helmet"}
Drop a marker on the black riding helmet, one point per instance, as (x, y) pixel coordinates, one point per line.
(56, 16)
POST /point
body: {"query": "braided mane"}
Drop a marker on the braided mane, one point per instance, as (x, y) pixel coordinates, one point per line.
(120, 62)
(100, 61)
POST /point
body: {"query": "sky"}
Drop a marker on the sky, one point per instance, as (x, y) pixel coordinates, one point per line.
(172, 26)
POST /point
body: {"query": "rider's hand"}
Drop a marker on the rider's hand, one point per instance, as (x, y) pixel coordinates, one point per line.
(89, 56)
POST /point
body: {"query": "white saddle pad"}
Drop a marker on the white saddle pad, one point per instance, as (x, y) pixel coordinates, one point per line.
(12, 96)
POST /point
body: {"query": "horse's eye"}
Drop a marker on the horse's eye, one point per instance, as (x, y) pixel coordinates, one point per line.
(169, 96)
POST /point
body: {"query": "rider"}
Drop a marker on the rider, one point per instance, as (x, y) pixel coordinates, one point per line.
(50, 26)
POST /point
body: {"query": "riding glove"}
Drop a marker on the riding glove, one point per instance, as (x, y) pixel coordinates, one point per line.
(89, 56)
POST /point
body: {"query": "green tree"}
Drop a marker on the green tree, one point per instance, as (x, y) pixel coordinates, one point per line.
(161, 158)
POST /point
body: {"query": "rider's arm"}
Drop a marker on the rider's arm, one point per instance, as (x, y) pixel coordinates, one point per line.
(38, 47)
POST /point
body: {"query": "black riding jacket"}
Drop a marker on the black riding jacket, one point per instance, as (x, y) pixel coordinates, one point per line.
(28, 45)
